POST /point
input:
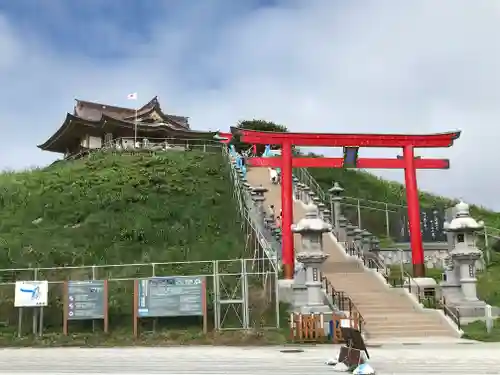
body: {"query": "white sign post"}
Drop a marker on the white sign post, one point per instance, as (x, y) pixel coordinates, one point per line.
(31, 294)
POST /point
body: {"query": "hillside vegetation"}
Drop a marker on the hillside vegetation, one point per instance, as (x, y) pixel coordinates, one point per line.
(366, 186)
(114, 209)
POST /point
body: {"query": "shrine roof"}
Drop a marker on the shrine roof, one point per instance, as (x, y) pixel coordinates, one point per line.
(94, 111)
(98, 118)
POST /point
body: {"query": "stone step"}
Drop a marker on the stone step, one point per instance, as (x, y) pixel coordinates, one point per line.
(331, 266)
(379, 309)
(409, 332)
(422, 327)
(390, 318)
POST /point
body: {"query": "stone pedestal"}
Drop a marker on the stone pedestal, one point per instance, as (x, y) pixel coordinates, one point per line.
(427, 287)
(342, 232)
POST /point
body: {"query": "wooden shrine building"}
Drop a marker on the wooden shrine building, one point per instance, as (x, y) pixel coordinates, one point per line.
(95, 125)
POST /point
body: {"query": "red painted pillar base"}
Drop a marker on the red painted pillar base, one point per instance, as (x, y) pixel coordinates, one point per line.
(288, 255)
(417, 250)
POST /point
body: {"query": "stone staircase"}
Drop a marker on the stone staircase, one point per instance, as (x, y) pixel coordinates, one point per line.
(387, 312)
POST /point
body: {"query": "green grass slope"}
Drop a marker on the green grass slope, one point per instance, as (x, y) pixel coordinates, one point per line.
(122, 208)
(367, 186)
(115, 209)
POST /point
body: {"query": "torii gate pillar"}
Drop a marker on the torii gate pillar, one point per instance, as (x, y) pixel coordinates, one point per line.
(287, 209)
(413, 204)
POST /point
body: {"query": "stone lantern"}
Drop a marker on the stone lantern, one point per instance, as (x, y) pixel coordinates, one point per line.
(316, 201)
(248, 187)
(305, 193)
(342, 230)
(375, 244)
(358, 245)
(321, 210)
(350, 234)
(464, 254)
(258, 198)
(311, 256)
(366, 239)
(299, 191)
(459, 284)
(327, 215)
(335, 198)
(310, 198)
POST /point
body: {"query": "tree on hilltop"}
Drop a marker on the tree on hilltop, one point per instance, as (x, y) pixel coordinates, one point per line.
(259, 125)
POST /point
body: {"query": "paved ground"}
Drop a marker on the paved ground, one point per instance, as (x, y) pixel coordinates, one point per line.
(391, 359)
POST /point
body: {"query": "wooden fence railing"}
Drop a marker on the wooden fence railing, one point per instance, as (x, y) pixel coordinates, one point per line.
(318, 328)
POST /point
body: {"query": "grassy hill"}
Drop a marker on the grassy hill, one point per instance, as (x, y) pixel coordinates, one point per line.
(115, 209)
(369, 187)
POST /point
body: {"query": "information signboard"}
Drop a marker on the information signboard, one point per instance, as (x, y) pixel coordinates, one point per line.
(85, 300)
(31, 293)
(171, 296)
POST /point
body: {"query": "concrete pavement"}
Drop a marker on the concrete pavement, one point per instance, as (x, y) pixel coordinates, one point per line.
(393, 359)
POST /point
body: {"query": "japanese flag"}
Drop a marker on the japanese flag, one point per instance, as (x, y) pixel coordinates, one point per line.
(132, 96)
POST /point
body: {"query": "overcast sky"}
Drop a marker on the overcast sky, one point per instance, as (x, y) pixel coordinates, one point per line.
(313, 65)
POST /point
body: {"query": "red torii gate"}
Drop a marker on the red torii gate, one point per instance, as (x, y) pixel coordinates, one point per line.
(408, 162)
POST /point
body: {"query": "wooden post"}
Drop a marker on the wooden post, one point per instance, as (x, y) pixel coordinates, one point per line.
(65, 308)
(204, 304)
(136, 307)
(106, 307)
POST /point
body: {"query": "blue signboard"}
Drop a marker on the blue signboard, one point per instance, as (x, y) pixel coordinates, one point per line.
(86, 300)
(171, 296)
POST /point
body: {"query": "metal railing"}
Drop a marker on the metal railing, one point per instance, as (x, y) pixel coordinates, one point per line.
(452, 313)
(244, 208)
(238, 295)
(342, 301)
(151, 145)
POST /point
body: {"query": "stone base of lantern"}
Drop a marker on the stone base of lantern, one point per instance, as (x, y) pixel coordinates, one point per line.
(470, 311)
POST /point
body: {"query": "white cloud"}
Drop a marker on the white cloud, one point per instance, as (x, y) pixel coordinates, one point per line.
(371, 66)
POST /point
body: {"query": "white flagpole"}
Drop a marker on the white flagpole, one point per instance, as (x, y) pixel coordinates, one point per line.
(133, 96)
(135, 128)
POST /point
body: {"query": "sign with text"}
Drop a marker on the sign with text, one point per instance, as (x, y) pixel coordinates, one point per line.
(171, 296)
(431, 223)
(31, 293)
(86, 300)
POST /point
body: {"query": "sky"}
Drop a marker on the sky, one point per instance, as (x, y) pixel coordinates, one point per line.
(379, 66)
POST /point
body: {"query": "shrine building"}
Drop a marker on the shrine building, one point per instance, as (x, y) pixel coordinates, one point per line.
(96, 125)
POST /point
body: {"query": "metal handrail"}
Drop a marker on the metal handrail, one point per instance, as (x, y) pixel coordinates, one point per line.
(453, 315)
(339, 299)
(244, 211)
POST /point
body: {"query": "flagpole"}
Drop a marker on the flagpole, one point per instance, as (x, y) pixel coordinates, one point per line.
(135, 128)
